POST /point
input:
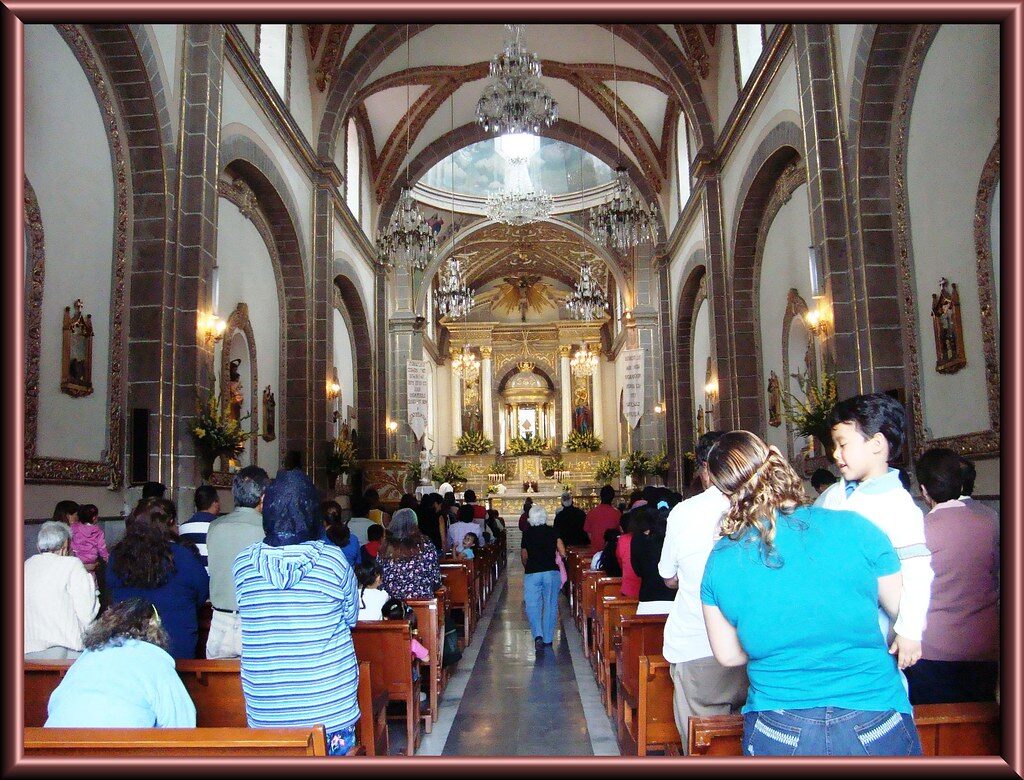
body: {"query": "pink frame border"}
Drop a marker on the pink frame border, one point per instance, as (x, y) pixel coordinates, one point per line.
(1006, 12)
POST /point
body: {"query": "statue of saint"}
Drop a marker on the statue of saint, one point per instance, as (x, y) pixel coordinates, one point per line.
(774, 401)
(234, 390)
(425, 462)
(269, 415)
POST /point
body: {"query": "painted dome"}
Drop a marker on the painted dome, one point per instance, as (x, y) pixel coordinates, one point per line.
(526, 386)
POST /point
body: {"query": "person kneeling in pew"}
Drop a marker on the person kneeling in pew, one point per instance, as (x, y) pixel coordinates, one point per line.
(125, 678)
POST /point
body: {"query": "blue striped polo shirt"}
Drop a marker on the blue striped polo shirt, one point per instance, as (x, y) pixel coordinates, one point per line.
(297, 605)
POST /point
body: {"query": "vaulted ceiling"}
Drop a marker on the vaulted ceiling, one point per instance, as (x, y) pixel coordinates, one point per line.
(415, 91)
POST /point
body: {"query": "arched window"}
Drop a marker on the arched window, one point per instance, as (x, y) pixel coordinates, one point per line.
(749, 42)
(274, 50)
(682, 160)
(353, 181)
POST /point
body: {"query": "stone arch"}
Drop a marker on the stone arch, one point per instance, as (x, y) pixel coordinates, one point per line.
(136, 86)
(369, 417)
(36, 251)
(691, 295)
(778, 153)
(239, 322)
(246, 161)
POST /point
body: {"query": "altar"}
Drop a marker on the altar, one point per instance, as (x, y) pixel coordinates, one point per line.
(510, 505)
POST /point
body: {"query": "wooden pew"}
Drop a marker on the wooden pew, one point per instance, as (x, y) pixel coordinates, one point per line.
(641, 635)
(215, 687)
(588, 591)
(172, 743)
(961, 729)
(603, 586)
(576, 560)
(430, 633)
(456, 578)
(611, 609)
(387, 645)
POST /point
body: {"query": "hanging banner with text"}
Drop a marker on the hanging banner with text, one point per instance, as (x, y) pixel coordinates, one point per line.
(416, 373)
(633, 388)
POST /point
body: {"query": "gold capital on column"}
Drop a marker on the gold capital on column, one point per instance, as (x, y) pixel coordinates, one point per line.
(564, 350)
(485, 352)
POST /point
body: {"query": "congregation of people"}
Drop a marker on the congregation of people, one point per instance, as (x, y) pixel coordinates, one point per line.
(822, 621)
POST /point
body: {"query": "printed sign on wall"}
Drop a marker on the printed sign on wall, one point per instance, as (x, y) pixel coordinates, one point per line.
(633, 387)
(418, 395)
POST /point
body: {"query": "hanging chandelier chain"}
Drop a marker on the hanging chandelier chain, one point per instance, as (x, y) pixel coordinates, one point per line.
(615, 105)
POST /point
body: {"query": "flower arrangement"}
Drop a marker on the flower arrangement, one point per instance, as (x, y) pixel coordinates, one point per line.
(450, 472)
(639, 464)
(342, 457)
(214, 433)
(582, 442)
(659, 464)
(473, 443)
(607, 471)
(519, 445)
(550, 465)
(810, 415)
(501, 467)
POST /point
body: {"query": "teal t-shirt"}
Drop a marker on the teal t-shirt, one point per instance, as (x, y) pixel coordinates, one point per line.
(810, 625)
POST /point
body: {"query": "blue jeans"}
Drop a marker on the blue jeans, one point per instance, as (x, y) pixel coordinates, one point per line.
(540, 591)
(829, 731)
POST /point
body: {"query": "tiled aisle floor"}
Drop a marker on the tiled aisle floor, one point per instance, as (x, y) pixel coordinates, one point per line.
(518, 702)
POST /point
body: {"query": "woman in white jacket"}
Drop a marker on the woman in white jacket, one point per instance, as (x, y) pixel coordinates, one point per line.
(60, 597)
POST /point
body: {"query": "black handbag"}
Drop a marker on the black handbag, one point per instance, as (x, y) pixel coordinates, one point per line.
(451, 654)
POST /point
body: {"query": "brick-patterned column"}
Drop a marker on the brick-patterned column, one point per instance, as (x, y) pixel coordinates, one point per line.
(720, 300)
(196, 243)
(378, 436)
(670, 369)
(321, 338)
(830, 202)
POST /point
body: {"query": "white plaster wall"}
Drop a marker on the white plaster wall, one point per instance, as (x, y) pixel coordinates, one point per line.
(441, 411)
(783, 267)
(781, 103)
(241, 114)
(68, 162)
(725, 45)
(692, 242)
(249, 33)
(301, 106)
(344, 363)
(700, 349)
(952, 129)
(246, 275)
(845, 37)
(363, 272)
(166, 39)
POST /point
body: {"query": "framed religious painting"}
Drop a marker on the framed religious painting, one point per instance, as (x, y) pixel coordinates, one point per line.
(76, 353)
(950, 354)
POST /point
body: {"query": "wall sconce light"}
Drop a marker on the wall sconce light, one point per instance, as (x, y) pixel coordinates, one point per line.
(660, 407)
(211, 328)
(333, 386)
(710, 396)
(627, 315)
(815, 271)
(819, 319)
(391, 426)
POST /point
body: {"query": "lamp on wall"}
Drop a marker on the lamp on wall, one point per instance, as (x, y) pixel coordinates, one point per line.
(211, 328)
(711, 394)
(660, 407)
(333, 386)
(391, 427)
(819, 318)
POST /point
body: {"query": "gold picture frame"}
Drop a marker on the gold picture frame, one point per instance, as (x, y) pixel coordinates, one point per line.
(76, 352)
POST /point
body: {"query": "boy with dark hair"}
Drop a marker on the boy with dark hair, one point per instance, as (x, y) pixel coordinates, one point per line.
(868, 434)
(368, 552)
(207, 510)
(821, 479)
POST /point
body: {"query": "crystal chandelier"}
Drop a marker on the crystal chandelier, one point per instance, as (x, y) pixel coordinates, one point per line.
(464, 364)
(624, 220)
(584, 362)
(587, 301)
(454, 297)
(516, 101)
(407, 237)
(519, 203)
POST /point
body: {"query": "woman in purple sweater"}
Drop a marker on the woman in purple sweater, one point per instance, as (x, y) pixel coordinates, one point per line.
(960, 647)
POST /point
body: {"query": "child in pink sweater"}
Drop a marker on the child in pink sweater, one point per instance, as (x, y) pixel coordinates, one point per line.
(87, 540)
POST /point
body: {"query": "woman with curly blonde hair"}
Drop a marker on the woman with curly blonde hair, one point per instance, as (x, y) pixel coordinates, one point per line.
(793, 591)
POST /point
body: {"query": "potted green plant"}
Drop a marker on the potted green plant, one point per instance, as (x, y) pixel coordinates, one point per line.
(450, 472)
(638, 464)
(216, 435)
(473, 443)
(582, 442)
(550, 465)
(659, 464)
(809, 415)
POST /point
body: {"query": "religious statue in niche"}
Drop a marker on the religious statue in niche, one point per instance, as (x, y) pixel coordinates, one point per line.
(582, 418)
(774, 401)
(233, 391)
(472, 417)
(950, 355)
(269, 415)
(76, 354)
(700, 428)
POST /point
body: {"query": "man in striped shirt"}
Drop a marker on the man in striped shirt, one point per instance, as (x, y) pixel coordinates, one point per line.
(207, 509)
(298, 600)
